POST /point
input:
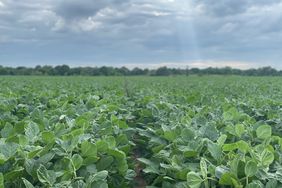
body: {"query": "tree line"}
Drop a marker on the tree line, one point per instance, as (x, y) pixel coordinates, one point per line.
(65, 70)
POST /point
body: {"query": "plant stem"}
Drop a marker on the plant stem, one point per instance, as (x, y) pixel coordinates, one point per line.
(206, 183)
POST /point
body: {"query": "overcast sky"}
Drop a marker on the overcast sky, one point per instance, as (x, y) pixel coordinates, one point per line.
(144, 33)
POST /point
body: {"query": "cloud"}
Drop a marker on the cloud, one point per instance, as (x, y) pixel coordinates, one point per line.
(193, 64)
(76, 9)
(141, 31)
(231, 7)
(73, 9)
(2, 4)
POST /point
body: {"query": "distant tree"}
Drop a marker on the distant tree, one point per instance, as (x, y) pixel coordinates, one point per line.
(3, 70)
(194, 71)
(22, 71)
(122, 71)
(107, 71)
(146, 72)
(47, 70)
(187, 71)
(104, 70)
(162, 71)
(267, 71)
(175, 71)
(137, 71)
(227, 71)
(62, 70)
(111, 71)
(95, 71)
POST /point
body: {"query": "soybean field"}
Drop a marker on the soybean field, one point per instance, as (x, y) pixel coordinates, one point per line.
(137, 132)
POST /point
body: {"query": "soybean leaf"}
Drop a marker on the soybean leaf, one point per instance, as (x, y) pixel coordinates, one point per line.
(27, 183)
(45, 176)
(32, 131)
(266, 157)
(215, 150)
(8, 150)
(239, 129)
(1, 180)
(88, 149)
(203, 167)
(264, 132)
(194, 180)
(251, 168)
(99, 176)
(77, 161)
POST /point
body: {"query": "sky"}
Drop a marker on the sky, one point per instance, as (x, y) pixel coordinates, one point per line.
(143, 33)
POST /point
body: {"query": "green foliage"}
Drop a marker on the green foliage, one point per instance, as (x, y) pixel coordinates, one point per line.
(65, 70)
(181, 132)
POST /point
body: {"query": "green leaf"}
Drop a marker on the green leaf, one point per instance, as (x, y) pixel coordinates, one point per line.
(130, 174)
(7, 130)
(239, 129)
(105, 162)
(243, 146)
(29, 167)
(119, 155)
(44, 176)
(91, 169)
(234, 165)
(229, 147)
(264, 132)
(3, 159)
(77, 132)
(88, 149)
(27, 183)
(77, 161)
(8, 150)
(187, 134)
(253, 185)
(203, 167)
(48, 137)
(122, 167)
(100, 176)
(1, 181)
(23, 140)
(209, 131)
(78, 184)
(13, 174)
(100, 185)
(111, 141)
(221, 140)
(102, 146)
(231, 114)
(266, 157)
(227, 179)
(122, 124)
(251, 168)
(215, 150)
(194, 180)
(220, 170)
(271, 184)
(170, 135)
(151, 166)
(32, 131)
